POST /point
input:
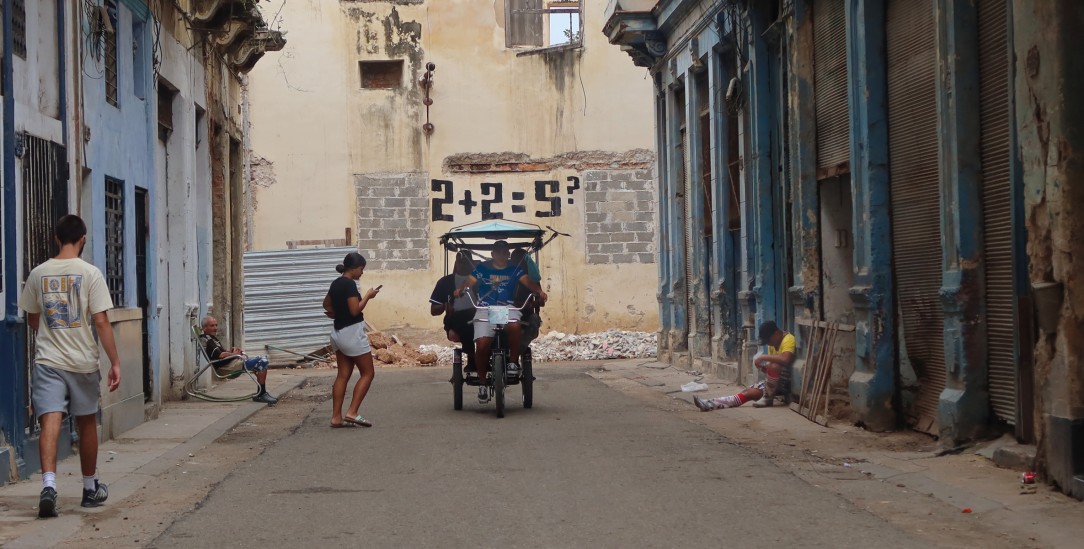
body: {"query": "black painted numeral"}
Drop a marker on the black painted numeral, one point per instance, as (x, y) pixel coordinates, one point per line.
(440, 202)
(498, 197)
(541, 188)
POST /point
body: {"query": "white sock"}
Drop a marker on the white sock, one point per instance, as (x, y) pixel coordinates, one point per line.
(48, 480)
(91, 482)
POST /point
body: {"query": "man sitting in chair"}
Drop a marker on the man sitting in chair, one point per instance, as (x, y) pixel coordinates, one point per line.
(531, 322)
(217, 351)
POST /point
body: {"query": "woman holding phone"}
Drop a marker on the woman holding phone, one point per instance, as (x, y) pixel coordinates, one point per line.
(345, 304)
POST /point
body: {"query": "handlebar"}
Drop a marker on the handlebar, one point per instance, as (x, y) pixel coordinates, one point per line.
(510, 308)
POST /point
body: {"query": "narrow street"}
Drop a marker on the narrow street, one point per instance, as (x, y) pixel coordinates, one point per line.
(587, 466)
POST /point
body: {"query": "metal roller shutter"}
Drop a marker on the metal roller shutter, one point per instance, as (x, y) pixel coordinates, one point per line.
(996, 198)
(830, 86)
(916, 204)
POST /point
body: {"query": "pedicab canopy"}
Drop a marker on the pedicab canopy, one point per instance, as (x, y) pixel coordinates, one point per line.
(481, 235)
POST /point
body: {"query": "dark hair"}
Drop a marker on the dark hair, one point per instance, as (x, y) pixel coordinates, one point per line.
(69, 229)
(767, 329)
(500, 244)
(352, 260)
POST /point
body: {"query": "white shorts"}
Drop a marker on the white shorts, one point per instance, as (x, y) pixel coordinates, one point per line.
(351, 340)
(482, 328)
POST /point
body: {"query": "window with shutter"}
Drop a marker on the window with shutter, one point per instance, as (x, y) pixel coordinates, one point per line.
(543, 23)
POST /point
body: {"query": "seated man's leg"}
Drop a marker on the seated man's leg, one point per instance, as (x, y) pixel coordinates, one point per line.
(258, 366)
(733, 401)
(465, 331)
(771, 386)
(483, 340)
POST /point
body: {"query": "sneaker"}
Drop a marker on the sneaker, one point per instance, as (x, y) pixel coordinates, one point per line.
(96, 496)
(47, 503)
(483, 394)
(265, 398)
(704, 405)
(512, 370)
(764, 402)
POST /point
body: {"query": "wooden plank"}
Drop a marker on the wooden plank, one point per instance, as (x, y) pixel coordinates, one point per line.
(824, 324)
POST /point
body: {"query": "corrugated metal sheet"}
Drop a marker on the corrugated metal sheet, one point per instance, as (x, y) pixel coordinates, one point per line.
(284, 290)
(916, 206)
(830, 84)
(996, 213)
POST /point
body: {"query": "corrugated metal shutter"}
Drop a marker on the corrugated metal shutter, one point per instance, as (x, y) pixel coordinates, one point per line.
(916, 228)
(996, 198)
(284, 292)
(830, 85)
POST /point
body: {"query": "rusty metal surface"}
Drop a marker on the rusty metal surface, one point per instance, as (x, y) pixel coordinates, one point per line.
(916, 206)
(284, 290)
(830, 86)
(997, 200)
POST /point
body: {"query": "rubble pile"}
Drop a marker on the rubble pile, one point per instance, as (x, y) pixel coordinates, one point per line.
(611, 344)
(557, 346)
(388, 350)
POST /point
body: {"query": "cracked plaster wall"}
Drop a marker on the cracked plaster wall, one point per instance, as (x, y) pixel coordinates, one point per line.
(566, 112)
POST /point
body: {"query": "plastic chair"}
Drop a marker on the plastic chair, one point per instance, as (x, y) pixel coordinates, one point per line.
(201, 349)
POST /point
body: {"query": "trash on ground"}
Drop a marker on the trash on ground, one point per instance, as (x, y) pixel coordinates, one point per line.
(694, 386)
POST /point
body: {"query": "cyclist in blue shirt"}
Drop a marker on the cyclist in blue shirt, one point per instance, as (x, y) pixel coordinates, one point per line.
(494, 282)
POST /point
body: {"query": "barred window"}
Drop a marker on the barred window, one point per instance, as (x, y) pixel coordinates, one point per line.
(110, 38)
(114, 239)
(18, 28)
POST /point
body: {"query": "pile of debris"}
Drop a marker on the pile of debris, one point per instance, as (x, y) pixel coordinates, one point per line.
(557, 346)
(388, 350)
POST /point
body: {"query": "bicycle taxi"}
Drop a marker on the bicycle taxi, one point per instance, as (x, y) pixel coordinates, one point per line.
(478, 240)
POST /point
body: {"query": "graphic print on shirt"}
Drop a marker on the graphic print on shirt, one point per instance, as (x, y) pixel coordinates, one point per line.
(495, 287)
(60, 295)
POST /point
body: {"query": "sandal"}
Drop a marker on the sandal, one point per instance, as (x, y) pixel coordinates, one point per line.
(358, 420)
(344, 425)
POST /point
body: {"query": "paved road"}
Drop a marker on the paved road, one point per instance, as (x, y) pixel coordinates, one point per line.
(587, 466)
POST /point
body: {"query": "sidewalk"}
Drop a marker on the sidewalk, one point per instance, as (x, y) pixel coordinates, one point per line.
(128, 462)
(905, 468)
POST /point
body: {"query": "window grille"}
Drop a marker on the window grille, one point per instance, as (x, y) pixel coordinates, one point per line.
(111, 56)
(114, 239)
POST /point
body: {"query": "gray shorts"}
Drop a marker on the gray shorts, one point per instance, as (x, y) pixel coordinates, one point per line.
(54, 390)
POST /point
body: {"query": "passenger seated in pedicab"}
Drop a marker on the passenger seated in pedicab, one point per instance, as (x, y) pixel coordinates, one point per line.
(494, 282)
(458, 312)
(217, 351)
(531, 321)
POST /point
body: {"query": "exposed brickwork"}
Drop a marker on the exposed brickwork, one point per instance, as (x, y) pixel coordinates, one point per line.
(619, 214)
(393, 221)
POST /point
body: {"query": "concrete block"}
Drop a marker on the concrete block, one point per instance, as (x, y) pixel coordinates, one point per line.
(598, 259)
(645, 196)
(643, 247)
(638, 227)
(645, 174)
(624, 258)
(394, 223)
(394, 202)
(594, 218)
(611, 227)
(596, 175)
(621, 237)
(646, 217)
(594, 196)
(621, 176)
(647, 206)
(645, 258)
(637, 185)
(1020, 457)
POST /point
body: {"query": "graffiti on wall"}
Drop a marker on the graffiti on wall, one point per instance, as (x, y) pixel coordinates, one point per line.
(493, 203)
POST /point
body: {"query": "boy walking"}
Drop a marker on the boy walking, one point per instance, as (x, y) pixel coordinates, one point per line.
(62, 297)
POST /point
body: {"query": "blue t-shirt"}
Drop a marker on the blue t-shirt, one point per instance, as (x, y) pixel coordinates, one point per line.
(496, 286)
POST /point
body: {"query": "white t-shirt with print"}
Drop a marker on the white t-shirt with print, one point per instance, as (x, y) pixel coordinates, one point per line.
(66, 293)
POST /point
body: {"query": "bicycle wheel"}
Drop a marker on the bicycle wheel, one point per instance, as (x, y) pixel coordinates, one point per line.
(527, 379)
(457, 380)
(497, 364)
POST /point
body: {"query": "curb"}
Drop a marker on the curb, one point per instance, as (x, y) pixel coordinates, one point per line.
(52, 532)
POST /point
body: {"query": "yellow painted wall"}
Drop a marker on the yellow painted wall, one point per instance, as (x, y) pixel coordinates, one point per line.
(318, 129)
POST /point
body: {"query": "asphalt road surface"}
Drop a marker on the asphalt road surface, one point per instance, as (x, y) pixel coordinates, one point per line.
(586, 467)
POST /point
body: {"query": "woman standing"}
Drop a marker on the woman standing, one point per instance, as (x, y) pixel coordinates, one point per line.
(345, 304)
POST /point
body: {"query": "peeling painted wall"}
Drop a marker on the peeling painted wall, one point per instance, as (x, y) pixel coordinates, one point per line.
(1050, 121)
(528, 127)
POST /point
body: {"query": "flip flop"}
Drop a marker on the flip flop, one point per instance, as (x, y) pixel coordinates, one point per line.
(358, 420)
(343, 425)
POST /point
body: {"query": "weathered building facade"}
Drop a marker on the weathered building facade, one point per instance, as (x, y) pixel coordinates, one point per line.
(127, 113)
(401, 119)
(898, 167)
